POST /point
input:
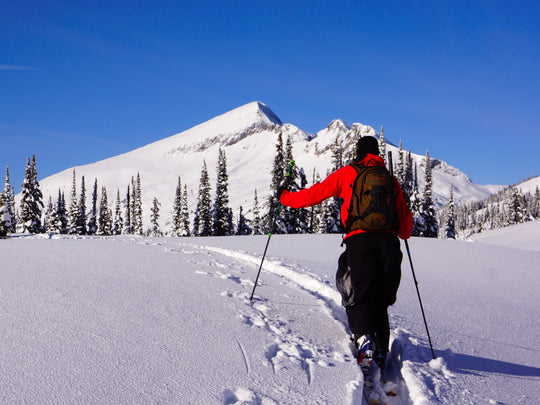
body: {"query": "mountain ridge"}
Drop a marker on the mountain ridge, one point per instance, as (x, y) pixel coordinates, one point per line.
(248, 135)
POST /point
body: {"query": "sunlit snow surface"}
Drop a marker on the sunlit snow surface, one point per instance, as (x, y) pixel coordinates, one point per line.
(138, 320)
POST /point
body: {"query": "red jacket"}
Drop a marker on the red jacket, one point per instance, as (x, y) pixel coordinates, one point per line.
(340, 184)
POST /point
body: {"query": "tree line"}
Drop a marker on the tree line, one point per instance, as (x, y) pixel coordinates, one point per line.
(507, 207)
(213, 216)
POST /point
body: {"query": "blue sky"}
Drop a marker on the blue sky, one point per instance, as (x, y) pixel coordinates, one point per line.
(83, 81)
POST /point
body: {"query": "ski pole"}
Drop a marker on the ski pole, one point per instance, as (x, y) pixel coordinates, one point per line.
(272, 221)
(419, 299)
(412, 270)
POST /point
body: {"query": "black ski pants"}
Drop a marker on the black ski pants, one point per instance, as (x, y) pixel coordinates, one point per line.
(374, 260)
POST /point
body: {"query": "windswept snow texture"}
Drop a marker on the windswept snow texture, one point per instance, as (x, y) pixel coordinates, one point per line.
(137, 320)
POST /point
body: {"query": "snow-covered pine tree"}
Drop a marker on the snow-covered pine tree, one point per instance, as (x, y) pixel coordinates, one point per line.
(184, 231)
(257, 221)
(8, 198)
(73, 211)
(408, 179)
(431, 227)
(337, 155)
(61, 212)
(5, 220)
(415, 206)
(202, 224)
(137, 216)
(222, 217)
(400, 165)
(515, 207)
(105, 216)
(243, 224)
(536, 210)
(52, 222)
(451, 219)
(315, 212)
(292, 220)
(128, 227)
(81, 217)
(278, 177)
(177, 210)
(32, 199)
(118, 223)
(332, 207)
(154, 218)
(92, 217)
(382, 145)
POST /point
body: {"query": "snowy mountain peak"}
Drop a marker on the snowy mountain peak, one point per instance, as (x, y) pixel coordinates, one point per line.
(227, 129)
(267, 113)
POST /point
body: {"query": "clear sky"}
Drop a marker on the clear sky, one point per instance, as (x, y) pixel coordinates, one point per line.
(83, 81)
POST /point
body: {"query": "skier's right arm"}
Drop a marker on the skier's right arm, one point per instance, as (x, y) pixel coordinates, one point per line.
(330, 187)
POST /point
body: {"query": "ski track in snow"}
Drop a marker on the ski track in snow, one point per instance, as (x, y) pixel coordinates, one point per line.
(419, 380)
(410, 373)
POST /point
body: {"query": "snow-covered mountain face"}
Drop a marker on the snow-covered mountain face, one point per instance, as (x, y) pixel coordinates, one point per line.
(248, 135)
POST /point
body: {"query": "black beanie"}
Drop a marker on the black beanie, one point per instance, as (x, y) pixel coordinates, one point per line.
(365, 145)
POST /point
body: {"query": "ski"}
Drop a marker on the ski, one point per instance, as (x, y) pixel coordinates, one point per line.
(376, 390)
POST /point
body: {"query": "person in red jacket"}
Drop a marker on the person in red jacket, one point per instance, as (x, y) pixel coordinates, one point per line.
(369, 270)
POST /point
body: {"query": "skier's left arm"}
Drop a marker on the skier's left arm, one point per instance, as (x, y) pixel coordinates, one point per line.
(403, 211)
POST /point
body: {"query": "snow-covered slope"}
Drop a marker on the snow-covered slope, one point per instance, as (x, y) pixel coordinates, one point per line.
(529, 186)
(248, 136)
(521, 236)
(140, 320)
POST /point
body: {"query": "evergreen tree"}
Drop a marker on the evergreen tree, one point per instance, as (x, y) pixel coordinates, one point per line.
(415, 206)
(177, 222)
(278, 177)
(536, 211)
(105, 215)
(516, 214)
(81, 217)
(128, 227)
(382, 145)
(257, 221)
(408, 179)
(431, 227)
(5, 220)
(243, 224)
(32, 200)
(337, 155)
(184, 231)
(92, 218)
(137, 207)
(7, 198)
(450, 221)
(292, 220)
(332, 208)
(401, 166)
(222, 215)
(202, 224)
(52, 222)
(61, 212)
(154, 218)
(315, 213)
(118, 223)
(73, 212)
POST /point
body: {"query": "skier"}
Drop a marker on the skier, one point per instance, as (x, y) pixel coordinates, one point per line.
(369, 271)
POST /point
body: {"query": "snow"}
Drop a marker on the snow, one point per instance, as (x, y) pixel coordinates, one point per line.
(248, 135)
(168, 320)
(530, 185)
(522, 236)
